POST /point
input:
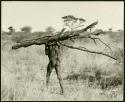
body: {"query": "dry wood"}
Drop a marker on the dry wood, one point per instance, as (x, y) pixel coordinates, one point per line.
(58, 37)
(61, 36)
(86, 50)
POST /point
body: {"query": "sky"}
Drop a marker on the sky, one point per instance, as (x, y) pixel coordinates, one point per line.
(41, 14)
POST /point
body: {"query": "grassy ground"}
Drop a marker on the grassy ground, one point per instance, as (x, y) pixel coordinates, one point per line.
(23, 74)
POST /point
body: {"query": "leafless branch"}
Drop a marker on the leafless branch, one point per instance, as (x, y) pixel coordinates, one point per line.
(83, 47)
(78, 26)
(101, 42)
(93, 38)
(86, 50)
(59, 37)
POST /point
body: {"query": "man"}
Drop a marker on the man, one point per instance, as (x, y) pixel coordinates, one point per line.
(52, 49)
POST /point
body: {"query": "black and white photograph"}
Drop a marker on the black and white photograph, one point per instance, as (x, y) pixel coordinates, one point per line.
(62, 50)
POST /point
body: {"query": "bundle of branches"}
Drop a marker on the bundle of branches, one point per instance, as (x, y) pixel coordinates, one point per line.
(67, 35)
(58, 37)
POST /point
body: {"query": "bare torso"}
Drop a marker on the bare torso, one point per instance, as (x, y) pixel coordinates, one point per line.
(53, 52)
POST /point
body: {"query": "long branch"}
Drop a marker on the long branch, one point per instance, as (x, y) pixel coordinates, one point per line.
(93, 38)
(58, 37)
(104, 43)
(86, 50)
(101, 42)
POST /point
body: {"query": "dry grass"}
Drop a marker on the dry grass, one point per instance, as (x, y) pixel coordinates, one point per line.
(23, 74)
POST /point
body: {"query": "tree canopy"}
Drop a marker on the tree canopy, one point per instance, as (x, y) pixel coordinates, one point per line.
(26, 29)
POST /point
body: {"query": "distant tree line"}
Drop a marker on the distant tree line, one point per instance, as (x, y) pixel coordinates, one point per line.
(70, 22)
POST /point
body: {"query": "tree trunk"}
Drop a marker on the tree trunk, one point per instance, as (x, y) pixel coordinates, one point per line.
(58, 37)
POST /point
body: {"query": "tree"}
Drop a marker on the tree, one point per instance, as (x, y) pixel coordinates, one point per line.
(11, 30)
(26, 29)
(72, 22)
(50, 30)
(120, 30)
(110, 29)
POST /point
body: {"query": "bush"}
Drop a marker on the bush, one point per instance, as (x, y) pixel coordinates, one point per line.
(97, 77)
(26, 29)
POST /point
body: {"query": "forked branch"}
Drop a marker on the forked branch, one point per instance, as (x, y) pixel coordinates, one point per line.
(86, 50)
(93, 38)
(59, 37)
(100, 41)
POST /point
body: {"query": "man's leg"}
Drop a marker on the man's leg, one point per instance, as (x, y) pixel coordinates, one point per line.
(57, 68)
(49, 70)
